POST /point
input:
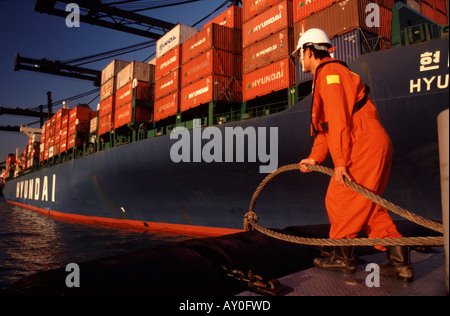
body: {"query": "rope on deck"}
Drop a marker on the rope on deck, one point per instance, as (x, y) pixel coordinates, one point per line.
(250, 219)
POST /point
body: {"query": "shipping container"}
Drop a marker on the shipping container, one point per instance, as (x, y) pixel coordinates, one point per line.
(175, 37)
(214, 61)
(63, 141)
(304, 8)
(113, 69)
(267, 23)
(347, 47)
(107, 106)
(93, 123)
(124, 115)
(439, 5)
(166, 107)
(79, 120)
(209, 89)
(105, 124)
(167, 84)
(430, 11)
(108, 89)
(213, 36)
(347, 15)
(168, 63)
(274, 77)
(138, 90)
(232, 18)
(277, 46)
(135, 70)
(74, 141)
(252, 8)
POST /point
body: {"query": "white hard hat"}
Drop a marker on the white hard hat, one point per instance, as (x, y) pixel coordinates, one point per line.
(316, 37)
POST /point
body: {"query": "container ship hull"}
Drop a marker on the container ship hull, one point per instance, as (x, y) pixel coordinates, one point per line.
(143, 184)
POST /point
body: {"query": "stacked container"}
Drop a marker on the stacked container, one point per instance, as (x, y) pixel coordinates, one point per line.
(344, 16)
(42, 145)
(167, 71)
(50, 137)
(268, 42)
(61, 126)
(33, 150)
(134, 96)
(79, 123)
(435, 10)
(231, 18)
(212, 65)
(107, 95)
(348, 23)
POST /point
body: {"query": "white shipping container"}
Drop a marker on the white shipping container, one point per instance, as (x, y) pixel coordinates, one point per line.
(93, 126)
(107, 89)
(136, 70)
(176, 36)
(36, 138)
(113, 69)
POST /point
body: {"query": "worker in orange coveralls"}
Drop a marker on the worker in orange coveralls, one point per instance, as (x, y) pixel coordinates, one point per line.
(346, 125)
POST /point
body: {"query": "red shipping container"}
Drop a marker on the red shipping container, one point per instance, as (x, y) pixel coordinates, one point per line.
(214, 61)
(351, 15)
(208, 89)
(213, 36)
(430, 11)
(277, 76)
(232, 18)
(80, 115)
(166, 107)
(252, 8)
(105, 124)
(124, 115)
(167, 84)
(73, 141)
(275, 19)
(107, 106)
(273, 48)
(126, 93)
(63, 142)
(304, 8)
(168, 62)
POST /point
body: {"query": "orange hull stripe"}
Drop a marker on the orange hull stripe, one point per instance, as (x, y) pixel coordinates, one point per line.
(126, 223)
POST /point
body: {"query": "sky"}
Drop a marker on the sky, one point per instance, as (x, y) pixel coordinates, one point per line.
(34, 35)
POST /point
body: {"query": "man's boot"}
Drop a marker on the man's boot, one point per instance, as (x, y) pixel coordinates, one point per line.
(399, 264)
(342, 259)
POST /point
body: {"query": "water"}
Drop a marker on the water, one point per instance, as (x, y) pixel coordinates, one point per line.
(31, 242)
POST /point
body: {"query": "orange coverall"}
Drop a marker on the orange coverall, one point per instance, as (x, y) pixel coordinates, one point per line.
(357, 141)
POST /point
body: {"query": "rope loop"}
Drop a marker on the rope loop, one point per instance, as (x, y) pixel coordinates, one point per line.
(250, 219)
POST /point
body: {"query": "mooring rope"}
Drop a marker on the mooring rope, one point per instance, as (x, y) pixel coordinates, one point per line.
(250, 219)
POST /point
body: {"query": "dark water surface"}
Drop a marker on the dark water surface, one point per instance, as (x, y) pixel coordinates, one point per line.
(31, 242)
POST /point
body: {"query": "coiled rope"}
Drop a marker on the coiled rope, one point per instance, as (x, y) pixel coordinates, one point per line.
(250, 219)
